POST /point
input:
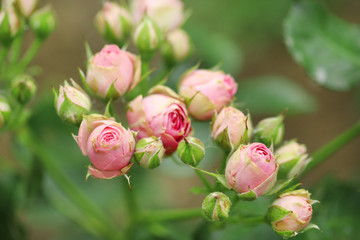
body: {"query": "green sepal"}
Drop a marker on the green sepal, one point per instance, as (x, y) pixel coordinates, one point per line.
(310, 226)
(83, 80)
(286, 167)
(88, 51)
(276, 213)
(219, 177)
(56, 96)
(248, 196)
(70, 112)
(5, 31)
(223, 139)
(112, 93)
(109, 109)
(218, 66)
(286, 234)
(191, 151)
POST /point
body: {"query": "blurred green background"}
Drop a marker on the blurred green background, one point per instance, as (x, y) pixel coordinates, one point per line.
(246, 37)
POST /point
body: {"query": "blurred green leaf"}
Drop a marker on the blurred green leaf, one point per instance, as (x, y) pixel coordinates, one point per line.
(325, 45)
(273, 94)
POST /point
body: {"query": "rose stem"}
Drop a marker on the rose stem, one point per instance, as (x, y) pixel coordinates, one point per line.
(333, 146)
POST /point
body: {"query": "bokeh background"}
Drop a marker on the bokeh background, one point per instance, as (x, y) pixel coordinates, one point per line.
(246, 37)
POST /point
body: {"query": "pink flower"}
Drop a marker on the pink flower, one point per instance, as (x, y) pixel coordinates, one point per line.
(161, 114)
(108, 145)
(231, 128)
(112, 72)
(251, 169)
(167, 14)
(206, 92)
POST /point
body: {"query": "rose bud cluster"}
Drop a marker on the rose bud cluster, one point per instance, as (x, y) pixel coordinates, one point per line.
(291, 213)
(72, 103)
(114, 23)
(230, 128)
(176, 47)
(9, 24)
(270, 130)
(292, 158)
(251, 171)
(216, 206)
(161, 114)
(112, 72)
(43, 22)
(26, 7)
(191, 151)
(149, 152)
(167, 14)
(23, 88)
(108, 144)
(4, 112)
(206, 91)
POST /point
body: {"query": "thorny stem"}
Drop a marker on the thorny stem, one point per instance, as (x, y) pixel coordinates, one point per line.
(333, 146)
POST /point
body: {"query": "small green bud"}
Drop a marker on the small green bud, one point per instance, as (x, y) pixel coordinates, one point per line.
(23, 88)
(9, 25)
(216, 206)
(270, 130)
(147, 37)
(176, 46)
(43, 22)
(191, 151)
(72, 103)
(4, 112)
(149, 152)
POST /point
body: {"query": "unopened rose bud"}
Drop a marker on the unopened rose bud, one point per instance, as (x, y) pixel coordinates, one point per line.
(251, 171)
(26, 7)
(23, 88)
(4, 112)
(270, 130)
(149, 152)
(147, 37)
(108, 144)
(43, 22)
(207, 91)
(292, 158)
(216, 206)
(114, 23)
(9, 24)
(176, 46)
(191, 151)
(231, 128)
(72, 103)
(290, 213)
(167, 14)
(112, 72)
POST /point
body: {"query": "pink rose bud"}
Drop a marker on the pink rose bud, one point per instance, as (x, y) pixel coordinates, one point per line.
(292, 158)
(291, 212)
(114, 23)
(167, 14)
(72, 103)
(176, 47)
(4, 112)
(112, 72)
(231, 128)
(207, 91)
(251, 171)
(43, 22)
(161, 114)
(108, 144)
(9, 24)
(26, 7)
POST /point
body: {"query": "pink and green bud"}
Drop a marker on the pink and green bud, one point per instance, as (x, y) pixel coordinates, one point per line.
(9, 24)
(112, 72)
(114, 23)
(191, 151)
(72, 103)
(292, 158)
(108, 144)
(207, 92)
(23, 88)
(167, 14)
(176, 47)
(149, 152)
(231, 127)
(291, 213)
(5, 112)
(43, 22)
(147, 37)
(161, 114)
(270, 130)
(26, 7)
(216, 206)
(251, 171)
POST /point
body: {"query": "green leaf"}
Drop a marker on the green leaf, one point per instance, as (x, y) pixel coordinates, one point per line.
(325, 45)
(273, 94)
(276, 213)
